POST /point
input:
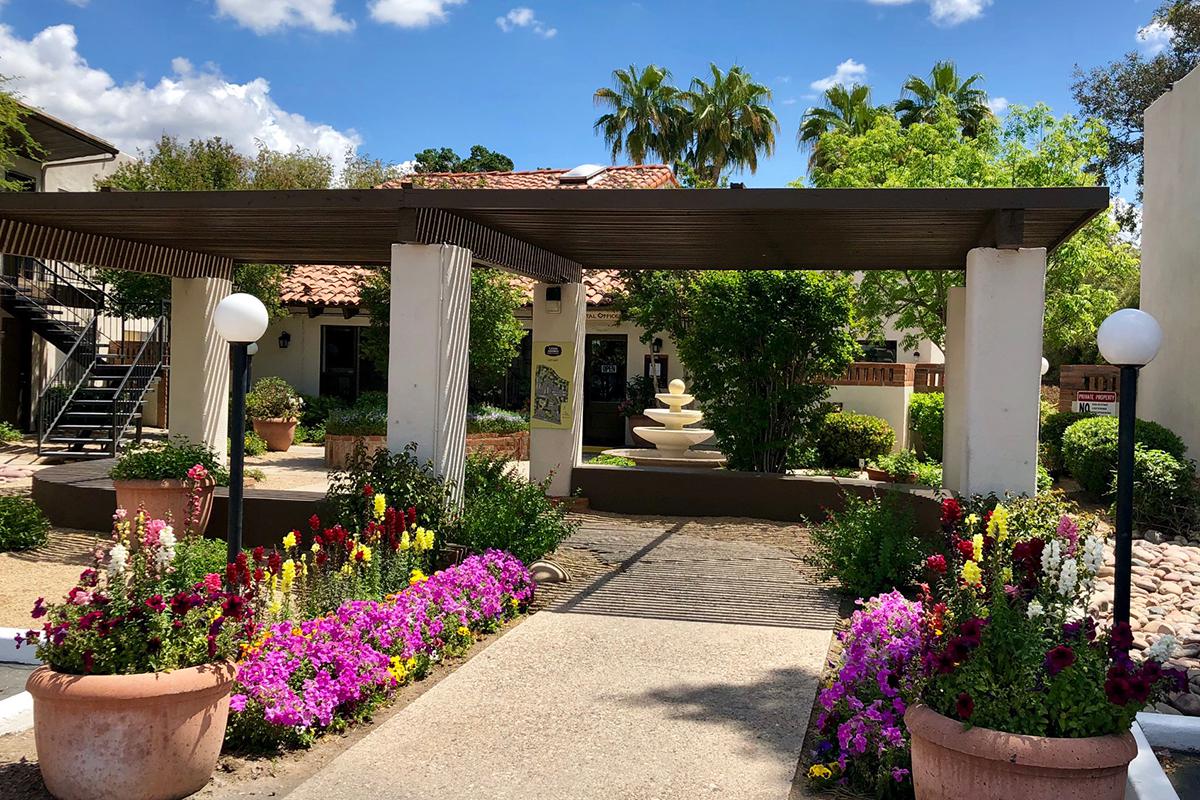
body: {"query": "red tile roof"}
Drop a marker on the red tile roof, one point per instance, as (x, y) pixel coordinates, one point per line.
(635, 176)
(322, 285)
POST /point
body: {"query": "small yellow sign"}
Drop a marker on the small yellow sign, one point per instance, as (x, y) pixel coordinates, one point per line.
(553, 367)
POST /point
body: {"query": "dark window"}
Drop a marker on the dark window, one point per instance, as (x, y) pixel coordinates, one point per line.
(879, 351)
(345, 371)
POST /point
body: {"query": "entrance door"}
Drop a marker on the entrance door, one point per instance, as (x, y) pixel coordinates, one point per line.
(604, 389)
(345, 371)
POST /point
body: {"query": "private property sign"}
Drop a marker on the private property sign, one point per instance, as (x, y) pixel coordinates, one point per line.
(1103, 404)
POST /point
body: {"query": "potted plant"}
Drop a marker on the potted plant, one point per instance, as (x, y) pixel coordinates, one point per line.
(639, 395)
(898, 467)
(133, 697)
(363, 424)
(1024, 693)
(172, 480)
(274, 408)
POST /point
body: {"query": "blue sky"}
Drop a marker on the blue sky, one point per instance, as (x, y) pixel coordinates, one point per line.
(391, 77)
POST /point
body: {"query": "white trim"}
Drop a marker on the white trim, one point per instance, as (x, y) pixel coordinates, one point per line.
(1172, 731)
(1146, 779)
(16, 713)
(9, 653)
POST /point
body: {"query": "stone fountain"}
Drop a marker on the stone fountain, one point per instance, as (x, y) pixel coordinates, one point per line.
(674, 440)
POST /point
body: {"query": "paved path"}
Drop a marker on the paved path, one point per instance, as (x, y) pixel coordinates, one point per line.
(688, 673)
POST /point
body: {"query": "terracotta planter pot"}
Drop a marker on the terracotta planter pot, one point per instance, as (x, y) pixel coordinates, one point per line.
(154, 736)
(165, 497)
(950, 763)
(338, 449)
(638, 421)
(278, 433)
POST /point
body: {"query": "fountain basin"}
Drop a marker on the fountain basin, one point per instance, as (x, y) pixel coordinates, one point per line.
(673, 419)
(674, 400)
(650, 457)
(673, 442)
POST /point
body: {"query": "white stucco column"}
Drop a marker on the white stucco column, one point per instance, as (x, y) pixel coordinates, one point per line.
(1001, 365)
(199, 388)
(555, 448)
(954, 386)
(427, 361)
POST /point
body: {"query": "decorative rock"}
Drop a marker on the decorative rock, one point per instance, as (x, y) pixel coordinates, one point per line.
(1187, 703)
(1154, 537)
(1166, 708)
(1163, 629)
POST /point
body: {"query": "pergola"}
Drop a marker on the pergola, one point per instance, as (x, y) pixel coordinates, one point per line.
(430, 238)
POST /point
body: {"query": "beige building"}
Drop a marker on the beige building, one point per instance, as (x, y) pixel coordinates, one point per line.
(1169, 391)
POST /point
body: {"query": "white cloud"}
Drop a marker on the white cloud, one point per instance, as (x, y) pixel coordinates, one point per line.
(848, 73)
(49, 72)
(998, 105)
(411, 13)
(945, 12)
(523, 17)
(1155, 37)
(268, 16)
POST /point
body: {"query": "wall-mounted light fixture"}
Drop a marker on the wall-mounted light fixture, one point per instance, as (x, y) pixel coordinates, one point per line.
(285, 339)
(657, 346)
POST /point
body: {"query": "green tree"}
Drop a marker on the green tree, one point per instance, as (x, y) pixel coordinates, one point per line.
(209, 165)
(1087, 278)
(757, 345)
(14, 138)
(645, 116)
(444, 159)
(845, 109)
(731, 123)
(921, 100)
(364, 172)
(1118, 93)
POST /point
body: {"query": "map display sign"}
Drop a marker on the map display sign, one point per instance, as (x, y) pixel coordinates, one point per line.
(553, 367)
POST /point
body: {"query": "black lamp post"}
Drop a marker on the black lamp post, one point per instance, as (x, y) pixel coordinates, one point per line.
(240, 319)
(1128, 339)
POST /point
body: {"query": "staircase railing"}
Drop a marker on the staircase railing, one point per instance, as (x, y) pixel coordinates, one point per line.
(57, 290)
(145, 366)
(66, 380)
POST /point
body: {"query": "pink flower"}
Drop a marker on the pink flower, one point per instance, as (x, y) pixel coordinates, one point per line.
(212, 582)
(197, 473)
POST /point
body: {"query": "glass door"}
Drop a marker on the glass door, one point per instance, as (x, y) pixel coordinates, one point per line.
(604, 388)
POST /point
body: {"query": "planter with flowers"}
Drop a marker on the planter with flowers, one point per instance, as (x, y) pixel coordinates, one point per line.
(133, 699)
(639, 395)
(172, 480)
(274, 407)
(1023, 693)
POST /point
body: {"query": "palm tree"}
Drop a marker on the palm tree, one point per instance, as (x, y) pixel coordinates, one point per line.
(920, 99)
(731, 123)
(645, 114)
(846, 110)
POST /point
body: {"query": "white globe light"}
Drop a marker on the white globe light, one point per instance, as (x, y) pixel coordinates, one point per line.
(240, 318)
(1045, 365)
(1129, 338)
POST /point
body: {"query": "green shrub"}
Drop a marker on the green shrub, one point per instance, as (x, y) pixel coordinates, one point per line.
(605, 460)
(1090, 449)
(169, 460)
(489, 419)
(1165, 497)
(23, 526)
(373, 399)
(869, 547)
(905, 467)
(8, 433)
(273, 398)
(1050, 436)
(1045, 481)
(926, 413)
(311, 435)
(254, 445)
(404, 480)
(506, 511)
(929, 474)
(846, 437)
(196, 557)
(357, 421)
(318, 408)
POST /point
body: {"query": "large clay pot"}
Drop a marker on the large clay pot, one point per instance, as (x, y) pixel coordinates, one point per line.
(949, 763)
(166, 497)
(638, 421)
(278, 433)
(339, 448)
(153, 736)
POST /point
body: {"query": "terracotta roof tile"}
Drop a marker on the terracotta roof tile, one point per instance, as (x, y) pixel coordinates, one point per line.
(635, 176)
(601, 286)
(322, 285)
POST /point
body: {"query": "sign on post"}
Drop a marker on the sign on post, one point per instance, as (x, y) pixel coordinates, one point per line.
(1102, 404)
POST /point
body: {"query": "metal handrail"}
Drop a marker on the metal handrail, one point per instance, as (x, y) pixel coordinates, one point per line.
(73, 358)
(155, 336)
(14, 283)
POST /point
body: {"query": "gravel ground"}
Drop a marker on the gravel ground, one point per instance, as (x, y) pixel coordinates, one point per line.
(45, 572)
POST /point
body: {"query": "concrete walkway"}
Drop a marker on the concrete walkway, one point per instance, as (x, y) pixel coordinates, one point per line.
(687, 673)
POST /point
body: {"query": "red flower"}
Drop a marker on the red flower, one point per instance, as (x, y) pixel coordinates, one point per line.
(39, 608)
(936, 563)
(88, 661)
(972, 629)
(259, 575)
(964, 706)
(966, 548)
(1059, 658)
(89, 577)
(274, 562)
(1122, 636)
(368, 490)
(260, 553)
(89, 619)
(314, 522)
(231, 574)
(156, 603)
(959, 648)
(1118, 689)
(951, 511)
(322, 557)
(181, 604)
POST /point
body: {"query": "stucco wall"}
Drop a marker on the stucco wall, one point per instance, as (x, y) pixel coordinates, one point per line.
(1170, 385)
(300, 363)
(888, 402)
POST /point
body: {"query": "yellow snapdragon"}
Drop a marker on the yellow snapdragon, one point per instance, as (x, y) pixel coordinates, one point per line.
(405, 541)
(416, 577)
(289, 541)
(998, 525)
(287, 575)
(380, 506)
(972, 574)
(977, 546)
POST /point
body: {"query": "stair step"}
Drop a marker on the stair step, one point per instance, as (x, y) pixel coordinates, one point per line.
(77, 440)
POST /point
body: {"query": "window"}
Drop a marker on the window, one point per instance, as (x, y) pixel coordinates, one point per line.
(879, 351)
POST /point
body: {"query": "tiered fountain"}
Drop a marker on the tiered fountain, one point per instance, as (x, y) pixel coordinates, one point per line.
(673, 441)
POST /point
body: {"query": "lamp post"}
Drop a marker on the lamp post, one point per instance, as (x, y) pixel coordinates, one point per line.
(240, 319)
(1128, 339)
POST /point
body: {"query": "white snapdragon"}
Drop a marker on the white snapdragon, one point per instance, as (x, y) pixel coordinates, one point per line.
(1051, 556)
(1161, 650)
(1035, 609)
(166, 548)
(1093, 554)
(118, 559)
(1068, 578)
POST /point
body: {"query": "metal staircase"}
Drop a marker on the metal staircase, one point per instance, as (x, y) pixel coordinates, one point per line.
(92, 404)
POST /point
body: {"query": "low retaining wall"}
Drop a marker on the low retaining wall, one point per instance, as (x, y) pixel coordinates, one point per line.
(725, 493)
(338, 449)
(512, 446)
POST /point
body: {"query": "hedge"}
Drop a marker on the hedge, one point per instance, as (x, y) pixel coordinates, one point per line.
(845, 437)
(1090, 449)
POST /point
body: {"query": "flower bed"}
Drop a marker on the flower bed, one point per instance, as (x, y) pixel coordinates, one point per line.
(302, 678)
